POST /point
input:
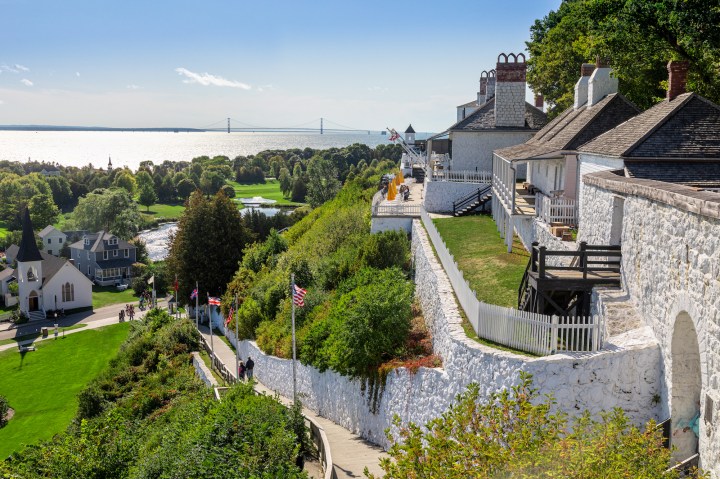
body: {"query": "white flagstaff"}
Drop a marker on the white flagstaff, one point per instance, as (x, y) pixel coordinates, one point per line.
(294, 366)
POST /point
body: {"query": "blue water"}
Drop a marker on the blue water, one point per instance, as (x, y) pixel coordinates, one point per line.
(79, 148)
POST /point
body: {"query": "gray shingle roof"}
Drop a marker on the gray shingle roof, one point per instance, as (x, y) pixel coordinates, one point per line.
(686, 127)
(47, 230)
(484, 119)
(701, 174)
(572, 128)
(97, 243)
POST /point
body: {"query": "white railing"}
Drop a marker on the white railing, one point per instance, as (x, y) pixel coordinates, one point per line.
(396, 210)
(556, 210)
(462, 176)
(530, 332)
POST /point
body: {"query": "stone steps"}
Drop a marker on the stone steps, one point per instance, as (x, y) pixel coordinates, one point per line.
(619, 311)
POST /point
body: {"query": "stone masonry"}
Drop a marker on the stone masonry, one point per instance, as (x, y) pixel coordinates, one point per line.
(510, 90)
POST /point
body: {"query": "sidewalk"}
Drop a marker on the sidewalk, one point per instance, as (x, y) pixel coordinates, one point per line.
(350, 453)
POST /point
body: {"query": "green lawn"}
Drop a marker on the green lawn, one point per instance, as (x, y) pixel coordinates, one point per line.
(493, 273)
(42, 385)
(3, 229)
(270, 190)
(107, 295)
(37, 335)
(162, 210)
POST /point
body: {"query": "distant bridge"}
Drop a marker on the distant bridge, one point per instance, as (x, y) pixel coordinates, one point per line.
(232, 125)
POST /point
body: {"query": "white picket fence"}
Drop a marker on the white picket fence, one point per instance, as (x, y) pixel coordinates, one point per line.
(396, 210)
(556, 210)
(530, 332)
(462, 176)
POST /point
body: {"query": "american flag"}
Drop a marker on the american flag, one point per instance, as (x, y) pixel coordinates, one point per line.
(298, 295)
(394, 135)
(230, 316)
(194, 293)
(213, 301)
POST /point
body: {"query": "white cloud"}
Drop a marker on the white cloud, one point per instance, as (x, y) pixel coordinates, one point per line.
(206, 79)
(132, 87)
(21, 68)
(26, 82)
(77, 74)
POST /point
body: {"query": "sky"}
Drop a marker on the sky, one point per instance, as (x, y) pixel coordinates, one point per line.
(359, 64)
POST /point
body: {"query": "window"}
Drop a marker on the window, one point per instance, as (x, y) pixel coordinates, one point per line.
(60, 240)
(127, 253)
(68, 292)
(88, 255)
(105, 255)
(49, 240)
(49, 251)
(115, 252)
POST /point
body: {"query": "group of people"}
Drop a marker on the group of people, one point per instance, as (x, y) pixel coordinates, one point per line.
(128, 312)
(246, 369)
(145, 299)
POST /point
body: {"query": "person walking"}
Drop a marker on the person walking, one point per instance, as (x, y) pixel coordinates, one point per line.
(132, 312)
(241, 371)
(249, 366)
(121, 316)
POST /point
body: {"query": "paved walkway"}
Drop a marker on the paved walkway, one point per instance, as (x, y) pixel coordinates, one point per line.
(350, 453)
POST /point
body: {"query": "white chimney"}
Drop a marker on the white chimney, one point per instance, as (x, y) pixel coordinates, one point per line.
(510, 90)
(601, 84)
(581, 87)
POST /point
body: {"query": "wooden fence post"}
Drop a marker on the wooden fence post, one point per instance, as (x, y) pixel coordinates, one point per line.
(553, 334)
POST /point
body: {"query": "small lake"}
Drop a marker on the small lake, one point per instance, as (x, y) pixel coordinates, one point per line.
(157, 239)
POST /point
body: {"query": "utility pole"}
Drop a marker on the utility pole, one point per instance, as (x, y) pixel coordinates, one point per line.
(228, 125)
(321, 126)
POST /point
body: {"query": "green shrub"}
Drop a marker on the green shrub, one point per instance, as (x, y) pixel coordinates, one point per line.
(248, 317)
(385, 250)
(4, 409)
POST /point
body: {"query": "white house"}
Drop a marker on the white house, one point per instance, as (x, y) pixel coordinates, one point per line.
(549, 194)
(52, 240)
(45, 282)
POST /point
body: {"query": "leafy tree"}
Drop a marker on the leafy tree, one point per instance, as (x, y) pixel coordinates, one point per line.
(147, 196)
(229, 191)
(211, 182)
(299, 189)
(185, 188)
(208, 244)
(323, 184)
(108, 209)
(285, 181)
(513, 434)
(143, 177)
(141, 251)
(126, 180)
(18, 192)
(61, 192)
(166, 190)
(43, 211)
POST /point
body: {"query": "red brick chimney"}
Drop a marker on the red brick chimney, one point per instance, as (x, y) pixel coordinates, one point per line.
(677, 78)
(539, 101)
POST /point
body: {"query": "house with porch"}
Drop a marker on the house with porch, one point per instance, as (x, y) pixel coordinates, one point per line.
(503, 119)
(104, 258)
(535, 184)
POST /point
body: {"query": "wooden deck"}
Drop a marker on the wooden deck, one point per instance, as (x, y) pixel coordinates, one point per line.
(570, 280)
(524, 201)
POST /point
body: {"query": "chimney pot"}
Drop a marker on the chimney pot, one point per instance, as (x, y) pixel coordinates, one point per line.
(677, 78)
(539, 101)
(586, 69)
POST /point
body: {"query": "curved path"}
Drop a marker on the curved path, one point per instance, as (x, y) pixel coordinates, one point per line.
(350, 453)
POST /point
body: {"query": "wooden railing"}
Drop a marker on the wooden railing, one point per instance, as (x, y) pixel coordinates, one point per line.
(556, 210)
(587, 259)
(396, 210)
(462, 176)
(525, 331)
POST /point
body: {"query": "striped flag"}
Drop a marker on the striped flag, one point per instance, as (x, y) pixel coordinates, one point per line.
(298, 295)
(194, 294)
(229, 317)
(213, 301)
(394, 135)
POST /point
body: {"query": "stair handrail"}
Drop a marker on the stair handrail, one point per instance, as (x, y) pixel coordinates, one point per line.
(522, 290)
(474, 196)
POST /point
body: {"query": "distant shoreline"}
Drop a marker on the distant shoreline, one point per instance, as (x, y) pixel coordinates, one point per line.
(95, 128)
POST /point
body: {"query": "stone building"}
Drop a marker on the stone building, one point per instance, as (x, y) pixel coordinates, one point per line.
(652, 186)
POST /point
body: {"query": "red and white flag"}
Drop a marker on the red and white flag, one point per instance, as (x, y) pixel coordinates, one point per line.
(298, 295)
(394, 135)
(229, 317)
(213, 301)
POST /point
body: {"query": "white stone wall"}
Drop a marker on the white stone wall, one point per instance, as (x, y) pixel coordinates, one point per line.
(592, 164)
(510, 104)
(625, 375)
(202, 371)
(671, 265)
(439, 195)
(552, 242)
(600, 85)
(473, 151)
(390, 223)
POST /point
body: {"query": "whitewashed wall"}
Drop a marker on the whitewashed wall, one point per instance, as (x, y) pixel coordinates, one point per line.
(671, 264)
(625, 376)
(592, 164)
(439, 195)
(390, 223)
(548, 175)
(474, 150)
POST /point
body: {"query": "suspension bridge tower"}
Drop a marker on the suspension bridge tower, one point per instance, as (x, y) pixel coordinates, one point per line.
(228, 125)
(321, 126)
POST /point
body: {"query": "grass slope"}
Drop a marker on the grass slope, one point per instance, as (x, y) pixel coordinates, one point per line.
(162, 210)
(493, 273)
(3, 229)
(107, 295)
(42, 385)
(270, 190)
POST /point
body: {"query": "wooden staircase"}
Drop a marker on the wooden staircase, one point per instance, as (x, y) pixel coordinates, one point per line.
(418, 172)
(566, 290)
(473, 202)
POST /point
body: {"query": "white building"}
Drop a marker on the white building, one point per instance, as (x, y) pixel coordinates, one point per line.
(53, 240)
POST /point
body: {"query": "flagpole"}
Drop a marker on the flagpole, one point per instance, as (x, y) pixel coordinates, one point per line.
(212, 349)
(294, 366)
(197, 307)
(237, 341)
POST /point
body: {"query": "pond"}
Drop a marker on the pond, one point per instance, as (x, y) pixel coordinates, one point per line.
(157, 239)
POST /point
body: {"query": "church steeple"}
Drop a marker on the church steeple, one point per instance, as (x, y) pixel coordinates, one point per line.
(28, 247)
(110, 168)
